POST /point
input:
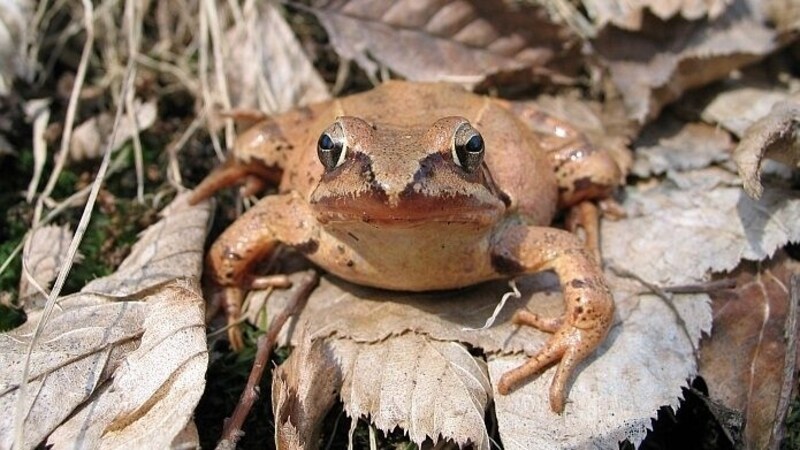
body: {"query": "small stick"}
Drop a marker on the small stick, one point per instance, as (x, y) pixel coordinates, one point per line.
(700, 288)
(232, 430)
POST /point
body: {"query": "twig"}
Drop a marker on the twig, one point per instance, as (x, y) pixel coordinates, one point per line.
(702, 288)
(663, 295)
(233, 426)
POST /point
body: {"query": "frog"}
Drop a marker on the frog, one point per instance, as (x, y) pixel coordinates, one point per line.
(423, 187)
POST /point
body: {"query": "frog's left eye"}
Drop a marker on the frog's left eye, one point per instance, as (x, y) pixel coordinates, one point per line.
(468, 147)
(331, 147)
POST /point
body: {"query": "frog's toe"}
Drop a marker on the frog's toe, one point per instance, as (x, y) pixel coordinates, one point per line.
(235, 337)
(569, 345)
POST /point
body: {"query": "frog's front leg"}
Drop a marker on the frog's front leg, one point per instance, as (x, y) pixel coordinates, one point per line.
(589, 306)
(251, 238)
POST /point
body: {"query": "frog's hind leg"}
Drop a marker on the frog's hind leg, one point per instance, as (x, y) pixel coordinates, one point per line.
(589, 306)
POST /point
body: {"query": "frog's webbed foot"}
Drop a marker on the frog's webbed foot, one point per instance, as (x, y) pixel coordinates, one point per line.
(589, 306)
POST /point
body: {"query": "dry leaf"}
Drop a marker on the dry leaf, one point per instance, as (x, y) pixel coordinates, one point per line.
(304, 388)
(627, 14)
(654, 67)
(376, 324)
(426, 387)
(153, 393)
(677, 236)
(741, 105)
(441, 40)
(170, 249)
(89, 137)
(126, 358)
(670, 145)
(776, 136)
(748, 362)
(43, 255)
(266, 66)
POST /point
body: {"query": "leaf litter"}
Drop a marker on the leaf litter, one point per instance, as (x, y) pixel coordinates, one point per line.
(136, 339)
(675, 191)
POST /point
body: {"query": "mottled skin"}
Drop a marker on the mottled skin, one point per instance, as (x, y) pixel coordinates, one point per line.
(400, 211)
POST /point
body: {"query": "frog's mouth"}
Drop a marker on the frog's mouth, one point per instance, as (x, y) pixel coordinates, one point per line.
(408, 208)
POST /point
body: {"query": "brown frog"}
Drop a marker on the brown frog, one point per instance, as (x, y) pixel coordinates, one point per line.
(420, 187)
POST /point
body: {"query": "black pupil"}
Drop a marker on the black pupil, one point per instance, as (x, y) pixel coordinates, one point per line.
(325, 142)
(474, 144)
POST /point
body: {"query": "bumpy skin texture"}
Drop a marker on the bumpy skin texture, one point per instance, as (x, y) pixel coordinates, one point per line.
(402, 209)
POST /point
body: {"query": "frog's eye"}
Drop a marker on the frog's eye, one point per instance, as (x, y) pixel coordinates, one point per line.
(331, 147)
(468, 148)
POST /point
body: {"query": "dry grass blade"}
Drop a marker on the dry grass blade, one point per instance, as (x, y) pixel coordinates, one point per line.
(134, 23)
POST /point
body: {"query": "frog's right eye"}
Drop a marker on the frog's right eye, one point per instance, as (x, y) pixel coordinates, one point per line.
(331, 147)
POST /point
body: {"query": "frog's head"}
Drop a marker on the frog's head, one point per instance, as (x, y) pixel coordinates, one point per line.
(390, 174)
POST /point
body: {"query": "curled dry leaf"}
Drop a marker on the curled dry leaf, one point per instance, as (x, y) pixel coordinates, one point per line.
(776, 136)
(749, 362)
(441, 40)
(89, 137)
(266, 66)
(628, 14)
(654, 67)
(42, 256)
(125, 359)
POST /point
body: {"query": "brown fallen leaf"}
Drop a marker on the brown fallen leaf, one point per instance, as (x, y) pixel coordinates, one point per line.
(42, 255)
(749, 361)
(442, 40)
(776, 137)
(628, 14)
(656, 66)
(266, 66)
(124, 359)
